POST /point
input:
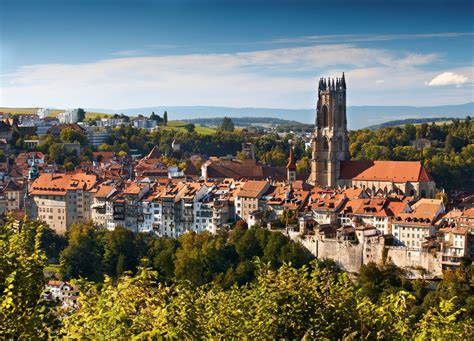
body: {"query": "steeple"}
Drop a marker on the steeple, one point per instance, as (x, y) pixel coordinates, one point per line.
(343, 81)
(291, 161)
(291, 166)
(33, 173)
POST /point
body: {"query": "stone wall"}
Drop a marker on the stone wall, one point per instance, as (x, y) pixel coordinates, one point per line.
(350, 256)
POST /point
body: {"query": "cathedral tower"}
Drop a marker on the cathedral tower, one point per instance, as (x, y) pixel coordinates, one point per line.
(330, 141)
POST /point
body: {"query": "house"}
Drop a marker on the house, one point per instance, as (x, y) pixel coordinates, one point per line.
(415, 227)
(249, 199)
(454, 245)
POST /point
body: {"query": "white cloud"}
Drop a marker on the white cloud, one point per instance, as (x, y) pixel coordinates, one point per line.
(448, 78)
(355, 38)
(129, 53)
(283, 77)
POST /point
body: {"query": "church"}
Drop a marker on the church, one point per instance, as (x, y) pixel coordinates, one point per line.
(331, 165)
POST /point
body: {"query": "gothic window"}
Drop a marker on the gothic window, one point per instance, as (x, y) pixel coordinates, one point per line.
(325, 144)
(325, 165)
(325, 117)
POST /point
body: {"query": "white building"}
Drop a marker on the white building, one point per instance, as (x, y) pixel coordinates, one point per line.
(69, 116)
(43, 113)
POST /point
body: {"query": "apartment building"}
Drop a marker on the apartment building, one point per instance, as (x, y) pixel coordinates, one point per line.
(454, 246)
(61, 199)
(249, 199)
(11, 195)
(101, 194)
(412, 229)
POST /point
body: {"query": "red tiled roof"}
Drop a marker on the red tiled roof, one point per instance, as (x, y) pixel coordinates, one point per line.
(391, 171)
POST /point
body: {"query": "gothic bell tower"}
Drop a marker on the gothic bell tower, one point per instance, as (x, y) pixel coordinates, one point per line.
(330, 142)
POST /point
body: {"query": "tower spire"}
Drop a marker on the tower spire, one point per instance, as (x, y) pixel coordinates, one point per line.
(291, 166)
(343, 81)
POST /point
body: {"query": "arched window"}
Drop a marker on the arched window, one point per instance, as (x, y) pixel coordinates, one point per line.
(325, 144)
(325, 117)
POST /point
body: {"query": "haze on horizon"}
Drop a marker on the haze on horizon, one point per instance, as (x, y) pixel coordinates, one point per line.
(128, 54)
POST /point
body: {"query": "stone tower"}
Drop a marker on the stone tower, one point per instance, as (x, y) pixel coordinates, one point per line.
(330, 141)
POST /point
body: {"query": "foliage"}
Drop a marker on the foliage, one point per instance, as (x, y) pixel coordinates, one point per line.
(23, 313)
(227, 125)
(311, 303)
(83, 256)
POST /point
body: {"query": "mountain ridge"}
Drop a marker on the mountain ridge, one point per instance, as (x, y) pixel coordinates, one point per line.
(358, 116)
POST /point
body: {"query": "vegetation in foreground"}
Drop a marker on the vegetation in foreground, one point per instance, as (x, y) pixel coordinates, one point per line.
(312, 301)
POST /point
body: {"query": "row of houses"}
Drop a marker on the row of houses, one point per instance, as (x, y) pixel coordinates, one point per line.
(171, 207)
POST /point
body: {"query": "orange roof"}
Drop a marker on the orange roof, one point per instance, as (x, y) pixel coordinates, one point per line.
(103, 191)
(468, 213)
(252, 188)
(391, 171)
(132, 188)
(59, 183)
(455, 230)
(425, 211)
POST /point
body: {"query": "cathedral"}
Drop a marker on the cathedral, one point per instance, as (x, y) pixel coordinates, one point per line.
(331, 165)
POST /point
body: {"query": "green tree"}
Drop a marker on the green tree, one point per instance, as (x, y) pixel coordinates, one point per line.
(165, 118)
(83, 256)
(227, 125)
(81, 114)
(23, 313)
(120, 253)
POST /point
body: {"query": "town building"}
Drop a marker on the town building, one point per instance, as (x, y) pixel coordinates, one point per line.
(61, 199)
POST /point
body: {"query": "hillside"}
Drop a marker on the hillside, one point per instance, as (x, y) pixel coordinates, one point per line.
(243, 121)
(358, 116)
(414, 121)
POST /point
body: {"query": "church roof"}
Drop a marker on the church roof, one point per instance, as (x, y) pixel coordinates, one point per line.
(390, 171)
(154, 153)
(291, 165)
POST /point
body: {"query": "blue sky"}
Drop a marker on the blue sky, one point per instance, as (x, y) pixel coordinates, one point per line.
(123, 54)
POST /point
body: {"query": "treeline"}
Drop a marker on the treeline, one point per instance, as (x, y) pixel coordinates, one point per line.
(281, 302)
(450, 159)
(202, 258)
(409, 121)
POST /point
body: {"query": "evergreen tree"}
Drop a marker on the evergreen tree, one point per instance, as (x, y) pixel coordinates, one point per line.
(227, 125)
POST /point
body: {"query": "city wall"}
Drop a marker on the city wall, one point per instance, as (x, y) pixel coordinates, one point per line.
(350, 256)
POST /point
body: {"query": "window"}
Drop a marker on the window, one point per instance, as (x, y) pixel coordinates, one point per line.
(325, 144)
(325, 117)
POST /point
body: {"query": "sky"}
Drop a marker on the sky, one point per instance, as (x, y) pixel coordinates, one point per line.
(119, 54)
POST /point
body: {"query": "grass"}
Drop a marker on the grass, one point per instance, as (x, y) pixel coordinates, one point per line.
(179, 126)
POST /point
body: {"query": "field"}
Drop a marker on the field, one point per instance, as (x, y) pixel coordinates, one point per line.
(54, 112)
(179, 126)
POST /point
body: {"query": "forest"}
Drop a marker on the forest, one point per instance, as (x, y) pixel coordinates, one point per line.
(245, 283)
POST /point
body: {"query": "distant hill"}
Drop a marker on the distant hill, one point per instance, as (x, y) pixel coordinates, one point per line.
(410, 121)
(242, 121)
(358, 116)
